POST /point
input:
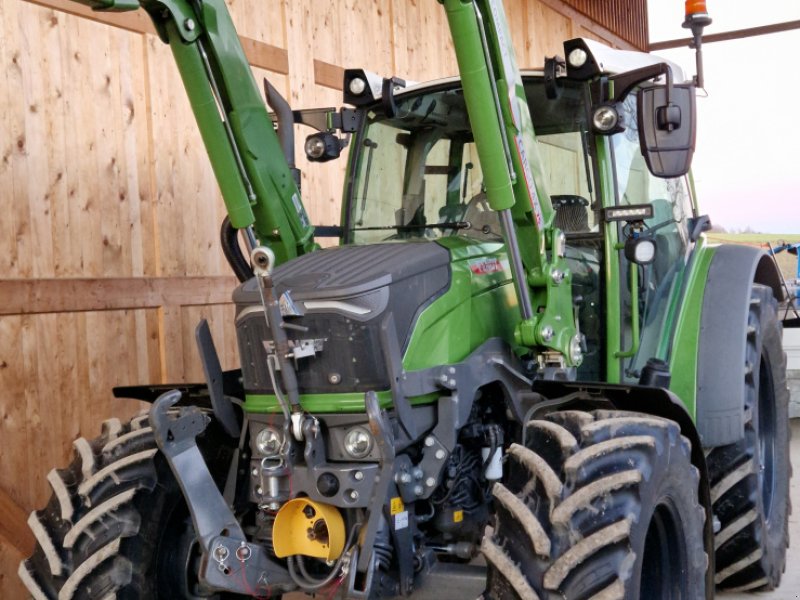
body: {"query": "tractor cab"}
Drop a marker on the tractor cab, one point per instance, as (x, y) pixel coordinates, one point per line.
(414, 176)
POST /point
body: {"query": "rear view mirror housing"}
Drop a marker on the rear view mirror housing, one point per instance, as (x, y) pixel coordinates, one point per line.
(667, 127)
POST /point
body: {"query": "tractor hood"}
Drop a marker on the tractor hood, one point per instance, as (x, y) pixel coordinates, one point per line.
(339, 298)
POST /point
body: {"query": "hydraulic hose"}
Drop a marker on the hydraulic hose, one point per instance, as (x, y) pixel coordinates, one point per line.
(309, 583)
(229, 238)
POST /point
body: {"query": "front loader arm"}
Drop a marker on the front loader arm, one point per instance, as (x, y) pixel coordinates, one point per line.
(507, 147)
(256, 183)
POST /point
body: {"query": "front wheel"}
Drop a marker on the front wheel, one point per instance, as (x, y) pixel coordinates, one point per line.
(117, 524)
(598, 505)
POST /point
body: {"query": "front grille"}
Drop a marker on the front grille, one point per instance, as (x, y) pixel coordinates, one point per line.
(350, 360)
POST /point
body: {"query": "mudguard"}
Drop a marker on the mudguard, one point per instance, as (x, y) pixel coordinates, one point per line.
(723, 331)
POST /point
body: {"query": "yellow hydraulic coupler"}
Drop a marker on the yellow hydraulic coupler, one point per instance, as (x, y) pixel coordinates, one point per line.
(310, 528)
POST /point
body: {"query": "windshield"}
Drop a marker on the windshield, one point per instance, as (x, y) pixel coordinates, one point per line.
(417, 174)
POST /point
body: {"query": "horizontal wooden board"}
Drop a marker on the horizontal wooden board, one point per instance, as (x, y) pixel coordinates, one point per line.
(32, 296)
(259, 54)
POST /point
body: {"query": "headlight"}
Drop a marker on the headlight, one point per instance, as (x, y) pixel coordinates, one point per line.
(315, 147)
(269, 442)
(357, 86)
(641, 251)
(577, 57)
(605, 119)
(358, 442)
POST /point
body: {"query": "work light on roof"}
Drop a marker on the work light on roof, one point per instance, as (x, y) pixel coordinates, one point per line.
(357, 86)
(577, 58)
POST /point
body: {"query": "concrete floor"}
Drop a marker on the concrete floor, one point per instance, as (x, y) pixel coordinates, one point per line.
(790, 586)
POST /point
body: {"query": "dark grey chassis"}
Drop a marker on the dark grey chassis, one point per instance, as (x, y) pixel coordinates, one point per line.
(232, 563)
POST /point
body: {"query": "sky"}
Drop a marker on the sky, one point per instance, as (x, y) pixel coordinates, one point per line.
(747, 162)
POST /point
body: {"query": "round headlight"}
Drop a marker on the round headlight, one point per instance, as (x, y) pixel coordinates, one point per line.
(315, 147)
(269, 442)
(358, 442)
(605, 118)
(577, 58)
(357, 86)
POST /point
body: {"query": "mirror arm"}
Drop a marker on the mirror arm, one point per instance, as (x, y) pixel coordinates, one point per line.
(630, 79)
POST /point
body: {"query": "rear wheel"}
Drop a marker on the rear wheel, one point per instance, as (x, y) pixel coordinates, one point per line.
(598, 505)
(116, 524)
(750, 479)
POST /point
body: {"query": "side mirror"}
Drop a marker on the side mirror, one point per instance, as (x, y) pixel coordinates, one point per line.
(667, 128)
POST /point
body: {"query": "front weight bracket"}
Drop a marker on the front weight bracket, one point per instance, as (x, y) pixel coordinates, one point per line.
(230, 563)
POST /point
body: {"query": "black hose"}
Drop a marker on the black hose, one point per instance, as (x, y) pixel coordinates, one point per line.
(310, 583)
(229, 238)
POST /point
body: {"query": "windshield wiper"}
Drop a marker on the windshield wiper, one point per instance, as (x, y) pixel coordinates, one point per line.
(453, 225)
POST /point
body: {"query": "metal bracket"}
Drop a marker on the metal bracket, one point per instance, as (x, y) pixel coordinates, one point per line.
(230, 562)
(382, 433)
(223, 409)
(180, 13)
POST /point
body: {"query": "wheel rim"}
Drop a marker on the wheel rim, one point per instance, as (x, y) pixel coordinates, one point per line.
(766, 436)
(665, 560)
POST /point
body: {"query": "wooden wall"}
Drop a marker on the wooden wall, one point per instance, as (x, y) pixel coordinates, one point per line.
(109, 213)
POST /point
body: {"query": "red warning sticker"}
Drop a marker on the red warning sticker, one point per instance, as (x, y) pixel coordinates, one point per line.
(486, 266)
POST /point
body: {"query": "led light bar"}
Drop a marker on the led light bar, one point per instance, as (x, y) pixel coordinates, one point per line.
(632, 212)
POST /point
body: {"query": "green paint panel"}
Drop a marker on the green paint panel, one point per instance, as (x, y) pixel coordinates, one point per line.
(480, 304)
(326, 403)
(683, 363)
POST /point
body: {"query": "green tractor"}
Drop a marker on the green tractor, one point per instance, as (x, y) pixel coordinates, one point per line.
(522, 373)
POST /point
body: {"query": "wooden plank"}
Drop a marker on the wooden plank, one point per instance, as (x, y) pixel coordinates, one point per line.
(258, 53)
(423, 48)
(265, 56)
(171, 349)
(9, 135)
(15, 156)
(14, 525)
(137, 20)
(10, 584)
(328, 75)
(26, 296)
(14, 381)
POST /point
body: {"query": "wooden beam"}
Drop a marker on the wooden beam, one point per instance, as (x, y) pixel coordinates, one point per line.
(728, 35)
(14, 525)
(136, 21)
(34, 296)
(579, 18)
(331, 76)
(259, 54)
(265, 56)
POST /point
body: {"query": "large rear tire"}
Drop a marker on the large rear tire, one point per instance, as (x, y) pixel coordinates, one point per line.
(601, 505)
(116, 525)
(750, 479)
